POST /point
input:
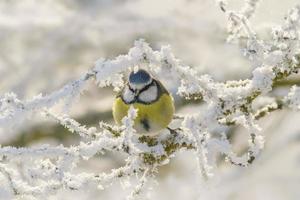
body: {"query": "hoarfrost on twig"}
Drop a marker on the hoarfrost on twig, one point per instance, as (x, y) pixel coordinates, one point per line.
(47, 169)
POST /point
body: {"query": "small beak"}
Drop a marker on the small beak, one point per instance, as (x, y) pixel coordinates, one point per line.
(136, 92)
(135, 88)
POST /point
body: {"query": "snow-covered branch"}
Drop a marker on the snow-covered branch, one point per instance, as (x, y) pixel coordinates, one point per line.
(38, 171)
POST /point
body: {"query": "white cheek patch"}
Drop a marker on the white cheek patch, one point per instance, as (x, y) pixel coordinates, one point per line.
(149, 95)
(128, 95)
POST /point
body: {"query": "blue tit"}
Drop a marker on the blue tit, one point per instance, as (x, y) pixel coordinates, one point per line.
(154, 104)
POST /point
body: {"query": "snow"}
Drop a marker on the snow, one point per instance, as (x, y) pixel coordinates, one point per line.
(43, 171)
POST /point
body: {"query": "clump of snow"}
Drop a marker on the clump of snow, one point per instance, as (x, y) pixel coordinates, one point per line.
(293, 98)
(46, 169)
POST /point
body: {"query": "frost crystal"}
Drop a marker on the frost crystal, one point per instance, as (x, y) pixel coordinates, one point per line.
(263, 78)
(42, 171)
(293, 97)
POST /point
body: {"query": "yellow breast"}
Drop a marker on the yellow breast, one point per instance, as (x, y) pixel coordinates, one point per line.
(151, 118)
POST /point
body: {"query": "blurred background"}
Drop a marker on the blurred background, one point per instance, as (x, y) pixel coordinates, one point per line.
(46, 44)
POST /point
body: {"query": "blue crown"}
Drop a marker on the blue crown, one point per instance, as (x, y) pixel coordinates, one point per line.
(139, 77)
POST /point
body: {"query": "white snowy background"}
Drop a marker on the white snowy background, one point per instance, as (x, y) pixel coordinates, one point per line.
(46, 44)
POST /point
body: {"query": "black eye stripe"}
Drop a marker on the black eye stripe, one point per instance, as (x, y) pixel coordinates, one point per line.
(160, 90)
(146, 87)
(147, 90)
(132, 90)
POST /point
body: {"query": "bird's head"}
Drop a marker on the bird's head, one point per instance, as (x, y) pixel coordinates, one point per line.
(139, 79)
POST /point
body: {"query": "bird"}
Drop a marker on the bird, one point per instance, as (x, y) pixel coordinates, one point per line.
(154, 104)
